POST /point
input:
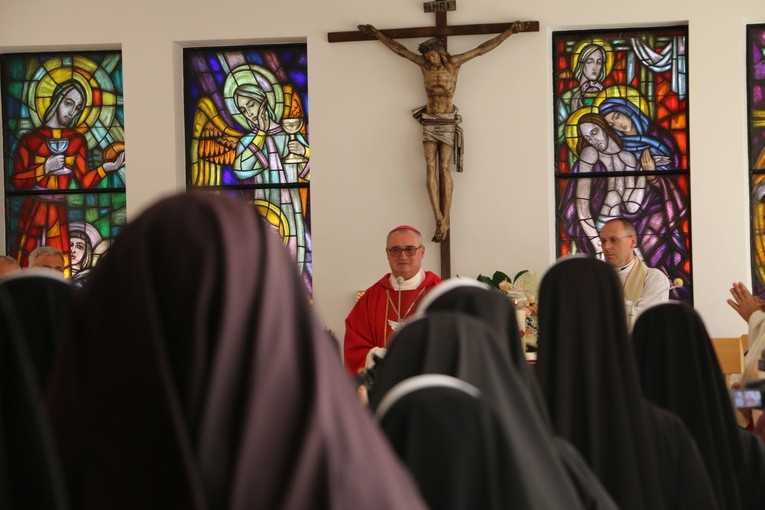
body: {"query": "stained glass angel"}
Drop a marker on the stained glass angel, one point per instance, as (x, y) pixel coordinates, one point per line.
(266, 152)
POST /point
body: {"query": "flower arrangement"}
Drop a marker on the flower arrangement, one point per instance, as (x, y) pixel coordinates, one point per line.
(525, 285)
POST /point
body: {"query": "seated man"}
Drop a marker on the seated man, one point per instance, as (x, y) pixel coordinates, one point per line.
(643, 286)
(47, 256)
(389, 302)
(751, 308)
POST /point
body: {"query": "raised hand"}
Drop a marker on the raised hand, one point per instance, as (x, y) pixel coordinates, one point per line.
(744, 302)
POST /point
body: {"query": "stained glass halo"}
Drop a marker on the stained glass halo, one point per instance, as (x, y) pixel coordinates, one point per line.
(262, 78)
(620, 91)
(571, 131)
(275, 216)
(624, 92)
(608, 50)
(99, 100)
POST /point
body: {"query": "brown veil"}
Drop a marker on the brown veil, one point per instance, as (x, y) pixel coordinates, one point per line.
(197, 376)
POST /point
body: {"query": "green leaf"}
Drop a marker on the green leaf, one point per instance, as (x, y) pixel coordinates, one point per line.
(520, 273)
(500, 277)
(485, 279)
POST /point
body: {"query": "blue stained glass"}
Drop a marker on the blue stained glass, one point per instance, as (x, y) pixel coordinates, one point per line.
(117, 79)
(214, 64)
(228, 178)
(231, 149)
(603, 78)
(298, 78)
(254, 57)
(27, 80)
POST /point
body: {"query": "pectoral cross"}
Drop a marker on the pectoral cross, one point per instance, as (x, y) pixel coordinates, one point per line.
(439, 116)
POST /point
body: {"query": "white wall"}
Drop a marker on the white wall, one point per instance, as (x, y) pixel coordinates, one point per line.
(367, 164)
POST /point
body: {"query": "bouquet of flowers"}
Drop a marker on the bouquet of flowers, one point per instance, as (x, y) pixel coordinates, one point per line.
(525, 284)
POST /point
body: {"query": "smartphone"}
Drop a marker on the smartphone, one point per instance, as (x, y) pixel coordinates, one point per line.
(747, 399)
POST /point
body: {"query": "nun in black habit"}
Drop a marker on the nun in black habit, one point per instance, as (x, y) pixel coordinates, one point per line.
(33, 305)
(197, 376)
(497, 311)
(457, 345)
(39, 302)
(644, 456)
(451, 439)
(494, 308)
(679, 372)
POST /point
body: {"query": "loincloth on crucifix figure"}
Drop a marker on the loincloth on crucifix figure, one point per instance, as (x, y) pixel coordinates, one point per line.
(442, 130)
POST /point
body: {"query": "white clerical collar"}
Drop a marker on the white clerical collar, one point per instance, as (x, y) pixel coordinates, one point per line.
(624, 271)
(410, 284)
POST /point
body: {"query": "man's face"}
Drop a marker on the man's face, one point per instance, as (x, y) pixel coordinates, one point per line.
(50, 261)
(70, 108)
(405, 265)
(617, 244)
(433, 57)
(594, 136)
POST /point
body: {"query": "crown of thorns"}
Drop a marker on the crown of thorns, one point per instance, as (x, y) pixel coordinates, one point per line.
(430, 44)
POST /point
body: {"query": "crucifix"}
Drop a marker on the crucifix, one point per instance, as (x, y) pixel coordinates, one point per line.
(442, 136)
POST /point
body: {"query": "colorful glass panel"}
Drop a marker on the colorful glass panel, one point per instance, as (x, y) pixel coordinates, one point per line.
(63, 133)
(247, 132)
(756, 120)
(621, 143)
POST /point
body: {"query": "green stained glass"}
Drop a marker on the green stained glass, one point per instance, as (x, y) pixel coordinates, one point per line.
(61, 206)
(247, 127)
(621, 143)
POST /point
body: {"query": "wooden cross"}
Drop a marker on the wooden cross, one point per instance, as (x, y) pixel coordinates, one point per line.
(440, 30)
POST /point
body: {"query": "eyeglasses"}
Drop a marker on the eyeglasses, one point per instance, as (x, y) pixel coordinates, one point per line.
(396, 251)
(613, 239)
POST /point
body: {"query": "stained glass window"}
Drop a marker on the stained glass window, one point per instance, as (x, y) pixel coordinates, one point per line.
(64, 153)
(247, 134)
(756, 117)
(621, 143)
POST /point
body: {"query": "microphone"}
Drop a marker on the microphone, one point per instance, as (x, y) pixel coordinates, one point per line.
(676, 284)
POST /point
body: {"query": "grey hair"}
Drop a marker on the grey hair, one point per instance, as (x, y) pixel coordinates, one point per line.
(42, 251)
(402, 229)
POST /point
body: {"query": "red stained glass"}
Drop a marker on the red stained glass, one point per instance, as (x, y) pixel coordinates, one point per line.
(93, 211)
(256, 172)
(652, 102)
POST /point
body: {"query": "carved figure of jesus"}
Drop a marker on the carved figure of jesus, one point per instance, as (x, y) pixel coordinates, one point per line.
(441, 133)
